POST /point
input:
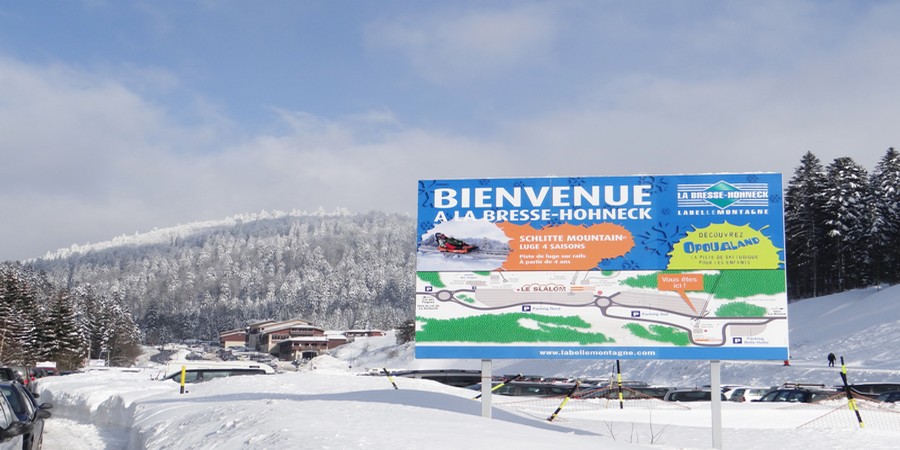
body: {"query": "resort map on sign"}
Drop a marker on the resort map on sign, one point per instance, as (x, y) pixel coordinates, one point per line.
(645, 311)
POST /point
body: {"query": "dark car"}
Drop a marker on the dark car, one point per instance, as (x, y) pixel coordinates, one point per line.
(11, 429)
(530, 389)
(26, 376)
(50, 371)
(9, 374)
(24, 405)
(796, 396)
(889, 397)
(452, 377)
(628, 392)
(871, 389)
(691, 395)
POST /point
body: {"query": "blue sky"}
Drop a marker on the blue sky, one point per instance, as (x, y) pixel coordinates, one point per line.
(122, 117)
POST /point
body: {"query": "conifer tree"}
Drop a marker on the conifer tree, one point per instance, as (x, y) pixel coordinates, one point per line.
(847, 218)
(17, 337)
(406, 331)
(885, 224)
(67, 345)
(804, 228)
(9, 324)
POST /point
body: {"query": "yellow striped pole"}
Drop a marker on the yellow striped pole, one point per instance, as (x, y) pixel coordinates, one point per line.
(500, 385)
(851, 402)
(565, 400)
(390, 378)
(619, 378)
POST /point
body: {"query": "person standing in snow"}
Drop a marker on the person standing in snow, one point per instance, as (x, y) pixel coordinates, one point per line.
(831, 359)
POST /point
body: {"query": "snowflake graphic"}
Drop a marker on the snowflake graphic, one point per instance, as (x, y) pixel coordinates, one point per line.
(618, 263)
(661, 238)
(657, 184)
(425, 189)
(555, 222)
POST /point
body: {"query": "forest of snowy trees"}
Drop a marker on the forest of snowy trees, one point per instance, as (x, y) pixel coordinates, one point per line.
(842, 225)
(340, 271)
(343, 270)
(39, 322)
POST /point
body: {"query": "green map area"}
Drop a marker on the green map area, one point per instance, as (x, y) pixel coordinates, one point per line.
(517, 327)
(431, 277)
(740, 309)
(659, 333)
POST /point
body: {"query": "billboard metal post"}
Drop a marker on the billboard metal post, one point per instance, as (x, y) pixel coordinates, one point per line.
(486, 385)
(715, 391)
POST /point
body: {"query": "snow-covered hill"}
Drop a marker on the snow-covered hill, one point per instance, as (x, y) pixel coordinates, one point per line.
(182, 231)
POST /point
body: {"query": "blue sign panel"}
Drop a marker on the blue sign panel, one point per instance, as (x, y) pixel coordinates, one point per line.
(660, 267)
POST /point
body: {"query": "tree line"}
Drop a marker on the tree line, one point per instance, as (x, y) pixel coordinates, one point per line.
(842, 225)
(39, 322)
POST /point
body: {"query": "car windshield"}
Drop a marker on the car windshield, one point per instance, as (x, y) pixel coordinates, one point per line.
(690, 395)
(13, 399)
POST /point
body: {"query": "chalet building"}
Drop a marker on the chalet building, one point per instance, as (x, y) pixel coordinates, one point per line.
(269, 339)
(233, 338)
(290, 340)
(362, 333)
(257, 330)
(336, 339)
(301, 347)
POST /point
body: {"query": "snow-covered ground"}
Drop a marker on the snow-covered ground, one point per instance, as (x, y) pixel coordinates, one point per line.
(329, 406)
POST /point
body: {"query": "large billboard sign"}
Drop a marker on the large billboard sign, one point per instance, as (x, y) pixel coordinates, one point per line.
(633, 267)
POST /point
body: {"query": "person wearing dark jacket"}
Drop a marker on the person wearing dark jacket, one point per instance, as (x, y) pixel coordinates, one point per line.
(831, 359)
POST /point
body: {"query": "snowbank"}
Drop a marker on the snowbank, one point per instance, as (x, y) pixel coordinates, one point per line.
(326, 405)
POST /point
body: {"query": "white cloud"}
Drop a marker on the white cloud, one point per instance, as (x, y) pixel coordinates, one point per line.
(92, 153)
(456, 46)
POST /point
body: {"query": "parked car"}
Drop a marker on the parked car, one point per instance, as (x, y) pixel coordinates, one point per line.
(50, 371)
(452, 377)
(26, 409)
(38, 373)
(26, 376)
(872, 389)
(196, 371)
(11, 428)
(690, 395)
(628, 392)
(748, 393)
(889, 397)
(530, 389)
(9, 374)
(796, 395)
